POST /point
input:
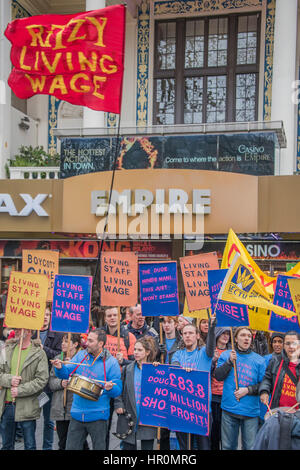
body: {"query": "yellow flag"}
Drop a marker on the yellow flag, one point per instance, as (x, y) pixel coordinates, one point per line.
(234, 245)
(294, 285)
(241, 286)
(201, 314)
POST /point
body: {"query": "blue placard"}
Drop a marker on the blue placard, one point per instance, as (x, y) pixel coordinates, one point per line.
(228, 314)
(175, 399)
(159, 289)
(71, 303)
(283, 298)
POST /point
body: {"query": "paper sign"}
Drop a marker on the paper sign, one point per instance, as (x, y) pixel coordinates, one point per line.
(194, 274)
(42, 262)
(227, 313)
(175, 399)
(26, 300)
(283, 298)
(119, 279)
(159, 289)
(71, 303)
(294, 285)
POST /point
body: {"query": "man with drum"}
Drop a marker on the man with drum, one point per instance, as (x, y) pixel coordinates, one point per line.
(90, 413)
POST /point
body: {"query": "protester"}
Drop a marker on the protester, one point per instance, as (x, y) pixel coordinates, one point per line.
(129, 401)
(51, 343)
(60, 411)
(240, 407)
(282, 374)
(276, 343)
(203, 328)
(91, 417)
(19, 393)
(194, 358)
(259, 343)
(171, 343)
(127, 339)
(222, 345)
(182, 321)
(138, 326)
(127, 317)
(123, 353)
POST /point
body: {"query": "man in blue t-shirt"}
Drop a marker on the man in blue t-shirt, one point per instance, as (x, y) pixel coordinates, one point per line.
(240, 407)
(194, 358)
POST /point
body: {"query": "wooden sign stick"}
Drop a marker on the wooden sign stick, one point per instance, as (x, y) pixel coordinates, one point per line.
(162, 361)
(234, 362)
(19, 355)
(68, 354)
(119, 328)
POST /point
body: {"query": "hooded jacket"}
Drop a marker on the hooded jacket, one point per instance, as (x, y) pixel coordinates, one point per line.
(105, 368)
(34, 375)
(268, 382)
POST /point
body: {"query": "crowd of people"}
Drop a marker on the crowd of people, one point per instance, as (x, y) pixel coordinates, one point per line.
(252, 373)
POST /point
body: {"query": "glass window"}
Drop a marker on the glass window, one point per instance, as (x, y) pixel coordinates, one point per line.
(206, 69)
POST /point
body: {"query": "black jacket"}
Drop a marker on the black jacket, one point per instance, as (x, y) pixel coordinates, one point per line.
(268, 382)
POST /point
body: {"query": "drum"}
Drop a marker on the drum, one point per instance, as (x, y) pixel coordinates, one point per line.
(86, 388)
(283, 409)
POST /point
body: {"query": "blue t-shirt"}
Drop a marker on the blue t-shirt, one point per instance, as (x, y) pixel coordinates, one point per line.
(250, 369)
(169, 344)
(196, 360)
(137, 389)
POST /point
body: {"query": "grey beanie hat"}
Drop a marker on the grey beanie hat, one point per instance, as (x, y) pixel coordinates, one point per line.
(189, 319)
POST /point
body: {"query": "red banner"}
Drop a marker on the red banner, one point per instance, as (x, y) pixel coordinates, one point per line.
(76, 58)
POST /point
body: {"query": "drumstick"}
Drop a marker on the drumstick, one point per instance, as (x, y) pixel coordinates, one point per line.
(269, 409)
(75, 363)
(103, 382)
(290, 409)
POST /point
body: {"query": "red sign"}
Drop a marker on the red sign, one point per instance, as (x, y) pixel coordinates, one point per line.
(76, 58)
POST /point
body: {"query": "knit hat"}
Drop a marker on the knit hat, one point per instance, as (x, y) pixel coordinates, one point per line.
(189, 319)
(276, 335)
(220, 330)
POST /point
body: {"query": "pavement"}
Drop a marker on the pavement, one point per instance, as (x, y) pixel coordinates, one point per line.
(114, 443)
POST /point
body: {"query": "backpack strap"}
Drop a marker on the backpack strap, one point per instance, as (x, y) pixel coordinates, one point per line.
(293, 378)
(285, 431)
(276, 380)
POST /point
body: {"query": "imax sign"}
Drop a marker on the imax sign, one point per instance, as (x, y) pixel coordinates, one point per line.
(32, 204)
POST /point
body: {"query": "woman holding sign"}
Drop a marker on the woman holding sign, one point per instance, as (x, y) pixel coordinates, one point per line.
(129, 401)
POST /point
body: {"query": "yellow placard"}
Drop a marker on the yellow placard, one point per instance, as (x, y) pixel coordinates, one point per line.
(26, 300)
(201, 314)
(294, 285)
(42, 262)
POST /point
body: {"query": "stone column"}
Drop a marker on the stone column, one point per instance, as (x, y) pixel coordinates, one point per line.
(92, 118)
(284, 73)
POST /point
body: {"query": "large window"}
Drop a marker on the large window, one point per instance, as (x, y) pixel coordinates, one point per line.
(206, 69)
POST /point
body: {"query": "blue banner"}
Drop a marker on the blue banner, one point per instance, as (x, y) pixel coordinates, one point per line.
(175, 399)
(71, 303)
(283, 298)
(228, 314)
(159, 289)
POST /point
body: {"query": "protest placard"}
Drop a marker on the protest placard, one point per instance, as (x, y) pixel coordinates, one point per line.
(175, 399)
(42, 262)
(294, 285)
(283, 298)
(159, 289)
(194, 274)
(119, 279)
(199, 314)
(228, 314)
(71, 303)
(26, 300)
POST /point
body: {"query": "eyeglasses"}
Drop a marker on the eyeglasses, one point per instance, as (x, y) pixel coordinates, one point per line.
(293, 344)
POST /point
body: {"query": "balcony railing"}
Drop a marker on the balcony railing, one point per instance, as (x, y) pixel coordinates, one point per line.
(34, 172)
